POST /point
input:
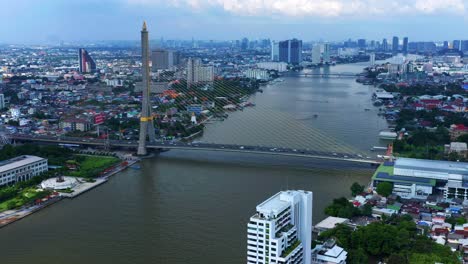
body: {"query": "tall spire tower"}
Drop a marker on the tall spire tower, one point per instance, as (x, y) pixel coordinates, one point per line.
(146, 119)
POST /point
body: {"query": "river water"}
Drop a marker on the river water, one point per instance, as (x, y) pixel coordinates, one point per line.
(193, 206)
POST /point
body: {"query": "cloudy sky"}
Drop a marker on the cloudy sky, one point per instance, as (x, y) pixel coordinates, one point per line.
(38, 21)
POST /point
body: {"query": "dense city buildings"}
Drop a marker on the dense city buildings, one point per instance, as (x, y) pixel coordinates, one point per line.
(87, 64)
(21, 168)
(281, 230)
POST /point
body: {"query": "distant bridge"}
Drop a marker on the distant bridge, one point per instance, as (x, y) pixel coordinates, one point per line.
(330, 75)
(162, 145)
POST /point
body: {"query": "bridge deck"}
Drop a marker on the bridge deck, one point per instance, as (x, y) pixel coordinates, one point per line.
(200, 146)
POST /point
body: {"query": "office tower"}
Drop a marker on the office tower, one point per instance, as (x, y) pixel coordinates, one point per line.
(372, 59)
(316, 54)
(2, 101)
(361, 43)
(160, 59)
(405, 45)
(274, 51)
(87, 63)
(372, 44)
(395, 44)
(384, 45)
(244, 44)
(290, 51)
(456, 45)
(464, 45)
(446, 45)
(198, 73)
(164, 59)
(326, 53)
(146, 119)
(281, 230)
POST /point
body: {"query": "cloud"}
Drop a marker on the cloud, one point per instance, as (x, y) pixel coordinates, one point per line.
(317, 8)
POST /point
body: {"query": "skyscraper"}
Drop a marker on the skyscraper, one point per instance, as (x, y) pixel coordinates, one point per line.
(446, 45)
(464, 45)
(456, 45)
(405, 45)
(395, 44)
(164, 59)
(384, 44)
(198, 73)
(245, 44)
(2, 101)
(281, 230)
(274, 51)
(361, 43)
(372, 59)
(326, 53)
(146, 118)
(87, 64)
(290, 51)
(316, 54)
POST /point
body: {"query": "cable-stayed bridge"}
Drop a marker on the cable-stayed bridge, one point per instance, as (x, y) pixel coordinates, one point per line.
(167, 145)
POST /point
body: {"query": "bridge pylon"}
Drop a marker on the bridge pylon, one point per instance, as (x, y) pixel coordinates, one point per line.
(146, 119)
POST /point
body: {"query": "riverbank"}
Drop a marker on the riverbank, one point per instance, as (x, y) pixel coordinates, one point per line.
(10, 216)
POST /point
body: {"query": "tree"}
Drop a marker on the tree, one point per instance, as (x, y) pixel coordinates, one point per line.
(356, 189)
(396, 259)
(385, 188)
(357, 256)
(366, 210)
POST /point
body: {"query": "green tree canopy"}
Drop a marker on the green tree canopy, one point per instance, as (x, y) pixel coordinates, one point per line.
(385, 188)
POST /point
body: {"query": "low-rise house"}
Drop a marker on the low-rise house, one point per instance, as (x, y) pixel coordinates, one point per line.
(329, 253)
(329, 223)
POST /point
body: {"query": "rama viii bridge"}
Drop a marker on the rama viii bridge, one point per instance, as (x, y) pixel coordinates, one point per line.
(186, 107)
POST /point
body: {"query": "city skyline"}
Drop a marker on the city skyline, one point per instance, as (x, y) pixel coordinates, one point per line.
(224, 19)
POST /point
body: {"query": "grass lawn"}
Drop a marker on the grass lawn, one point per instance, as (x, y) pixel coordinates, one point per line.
(25, 196)
(91, 166)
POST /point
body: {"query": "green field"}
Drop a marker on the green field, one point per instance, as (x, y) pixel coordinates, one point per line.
(27, 195)
(91, 166)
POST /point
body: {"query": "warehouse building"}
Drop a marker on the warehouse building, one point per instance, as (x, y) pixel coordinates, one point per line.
(417, 178)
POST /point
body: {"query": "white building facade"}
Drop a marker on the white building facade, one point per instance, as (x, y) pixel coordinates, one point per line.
(197, 72)
(277, 66)
(281, 230)
(21, 168)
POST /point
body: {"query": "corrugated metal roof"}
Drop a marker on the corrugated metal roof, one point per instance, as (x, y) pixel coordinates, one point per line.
(394, 178)
(432, 165)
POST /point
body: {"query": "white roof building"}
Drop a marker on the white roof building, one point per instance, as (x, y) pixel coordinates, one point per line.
(329, 253)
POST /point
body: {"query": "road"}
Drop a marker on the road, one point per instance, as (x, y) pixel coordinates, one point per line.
(160, 145)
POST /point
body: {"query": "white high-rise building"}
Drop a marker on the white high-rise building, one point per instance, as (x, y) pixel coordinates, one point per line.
(326, 53)
(372, 59)
(275, 51)
(316, 54)
(281, 230)
(197, 72)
